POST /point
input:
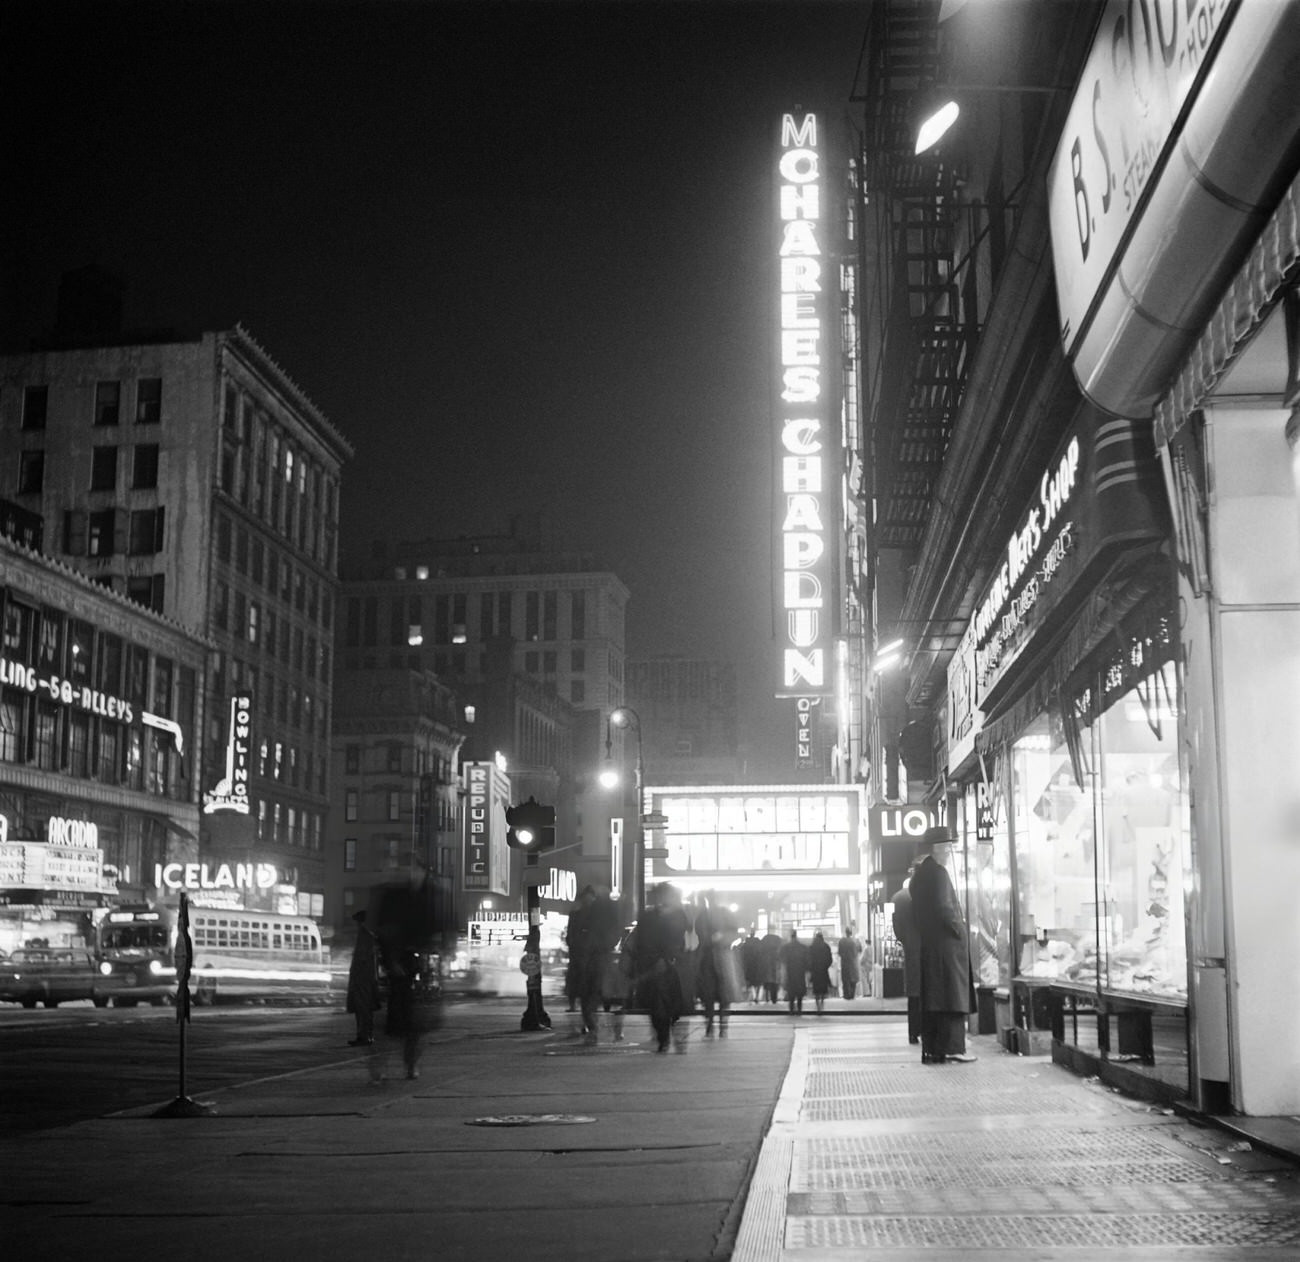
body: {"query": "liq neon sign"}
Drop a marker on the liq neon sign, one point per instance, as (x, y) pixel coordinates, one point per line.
(804, 484)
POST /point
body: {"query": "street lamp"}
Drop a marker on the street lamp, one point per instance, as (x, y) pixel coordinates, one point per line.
(625, 716)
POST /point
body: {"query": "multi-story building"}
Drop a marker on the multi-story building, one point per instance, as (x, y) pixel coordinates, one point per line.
(1082, 338)
(530, 640)
(395, 814)
(100, 715)
(687, 707)
(197, 479)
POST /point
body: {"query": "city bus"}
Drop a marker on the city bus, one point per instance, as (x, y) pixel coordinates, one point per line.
(256, 954)
(134, 955)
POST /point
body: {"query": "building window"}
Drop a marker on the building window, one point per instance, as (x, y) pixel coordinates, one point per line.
(103, 470)
(99, 541)
(578, 691)
(254, 619)
(578, 660)
(147, 590)
(259, 555)
(394, 804)
(549, 603)
(108, 399)
(144, 473)
(394, 757)
(31, 473)
(532, 617)
(36, 402)
(530, 663)
(352, 760)
(146, 531)
(349, 854)
(350, 805)
(223, 539)
(548, 662)
(578, 617)
(148, 401)
(221, 606)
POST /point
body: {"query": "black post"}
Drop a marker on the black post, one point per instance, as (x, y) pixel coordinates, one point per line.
(535, 1016)
(183, 955)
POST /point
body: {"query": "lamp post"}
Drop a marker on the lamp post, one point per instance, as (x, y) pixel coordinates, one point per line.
(625, 716)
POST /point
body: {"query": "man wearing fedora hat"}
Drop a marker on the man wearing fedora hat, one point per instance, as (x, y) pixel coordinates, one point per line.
(947, 984)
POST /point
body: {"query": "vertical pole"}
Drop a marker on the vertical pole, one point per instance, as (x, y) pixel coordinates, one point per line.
(639, 873)
(535, 1016)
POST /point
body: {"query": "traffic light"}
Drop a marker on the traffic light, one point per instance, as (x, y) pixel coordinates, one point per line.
(531, 826)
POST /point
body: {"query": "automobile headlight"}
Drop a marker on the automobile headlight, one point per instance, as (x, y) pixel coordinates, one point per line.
(155, 967)
(105, 967)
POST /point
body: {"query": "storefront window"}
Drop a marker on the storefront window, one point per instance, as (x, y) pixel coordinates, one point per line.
(1102, 863)
(1055, 860)
(986, 816)
(1142, 867)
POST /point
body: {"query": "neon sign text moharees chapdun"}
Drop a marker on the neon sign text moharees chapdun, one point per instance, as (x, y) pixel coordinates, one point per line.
(805, 578)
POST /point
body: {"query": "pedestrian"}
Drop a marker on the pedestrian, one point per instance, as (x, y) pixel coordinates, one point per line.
(820, 960)
(794, 962)
(363, 983)
(715, 984)
(910, 941)
(848, 948)
(660, 946)
(592, 936)
(947, 984)
(771, 948)
(414, 1004)
(751, 963)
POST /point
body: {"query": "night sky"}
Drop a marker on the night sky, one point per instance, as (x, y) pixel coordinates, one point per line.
(518, 253)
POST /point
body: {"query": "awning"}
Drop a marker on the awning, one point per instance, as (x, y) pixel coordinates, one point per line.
(171, 825)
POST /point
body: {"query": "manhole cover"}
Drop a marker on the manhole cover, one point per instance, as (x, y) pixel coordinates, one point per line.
(531, 1119)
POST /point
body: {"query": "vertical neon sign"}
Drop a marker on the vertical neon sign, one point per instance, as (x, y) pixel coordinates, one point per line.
(805, 478)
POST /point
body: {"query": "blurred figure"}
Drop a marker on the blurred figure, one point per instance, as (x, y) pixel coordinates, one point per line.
(660, 945)
(363, 983)
(751, 964)
(820, 960)
(908, 938)
(794, 961)
(771, 948)
(715, 982)
(849, 950)
(592, 936)
(947, 984)
(414, 1004)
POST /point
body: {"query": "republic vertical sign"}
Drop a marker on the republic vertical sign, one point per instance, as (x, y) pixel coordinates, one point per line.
(806, 447)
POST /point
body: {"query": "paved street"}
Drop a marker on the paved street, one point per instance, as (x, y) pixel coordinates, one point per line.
(789, 1140)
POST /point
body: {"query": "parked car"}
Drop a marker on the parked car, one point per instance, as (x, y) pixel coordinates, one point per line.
(48, 975)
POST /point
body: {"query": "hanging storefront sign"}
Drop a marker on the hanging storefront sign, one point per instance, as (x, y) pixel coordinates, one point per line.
(231, 792)
(68, 864)
(1099, 494)
(727, 832)
(806, 443)
(486, 867)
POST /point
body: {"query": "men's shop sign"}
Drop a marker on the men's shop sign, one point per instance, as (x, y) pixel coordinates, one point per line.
(1100, 494)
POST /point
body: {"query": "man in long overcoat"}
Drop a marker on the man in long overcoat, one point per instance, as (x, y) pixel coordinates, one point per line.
(905, 931)
(947, 985)
(363, 982)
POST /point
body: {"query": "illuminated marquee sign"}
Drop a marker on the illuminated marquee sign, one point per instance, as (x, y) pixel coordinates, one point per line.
(737, 831)
(231, 793)
(69, 859)
(805, 474)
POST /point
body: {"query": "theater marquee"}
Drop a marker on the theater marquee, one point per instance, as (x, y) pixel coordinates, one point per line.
(734, 837)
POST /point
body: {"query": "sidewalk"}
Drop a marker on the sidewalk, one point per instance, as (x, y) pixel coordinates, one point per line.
(872, 1154)
(792, 1140)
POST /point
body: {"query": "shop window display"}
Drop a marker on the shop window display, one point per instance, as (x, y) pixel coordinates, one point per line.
(1099, 867)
